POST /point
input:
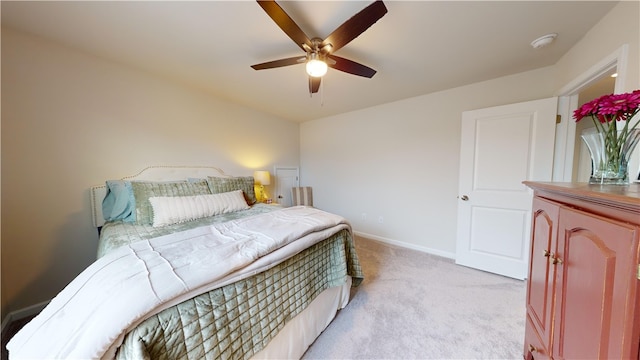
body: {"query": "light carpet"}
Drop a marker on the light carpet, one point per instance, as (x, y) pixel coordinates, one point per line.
(414, 305)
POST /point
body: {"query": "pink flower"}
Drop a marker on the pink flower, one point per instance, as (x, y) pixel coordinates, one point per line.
(608, 108)
(618, 105)
(586, 110)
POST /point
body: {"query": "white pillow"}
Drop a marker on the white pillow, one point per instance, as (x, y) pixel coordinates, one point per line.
(169, 210)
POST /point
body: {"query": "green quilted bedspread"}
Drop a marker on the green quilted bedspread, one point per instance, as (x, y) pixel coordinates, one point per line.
(239, 319)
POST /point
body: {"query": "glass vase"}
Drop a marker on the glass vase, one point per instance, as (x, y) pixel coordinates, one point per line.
(610, 160)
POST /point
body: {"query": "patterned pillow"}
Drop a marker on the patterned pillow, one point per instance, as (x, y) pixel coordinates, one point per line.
(143, 190)
(245, 183)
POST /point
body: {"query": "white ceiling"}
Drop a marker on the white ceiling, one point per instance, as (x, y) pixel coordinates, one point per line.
(418, 47)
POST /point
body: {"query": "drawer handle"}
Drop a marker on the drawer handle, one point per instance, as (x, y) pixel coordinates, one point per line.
(554, 259)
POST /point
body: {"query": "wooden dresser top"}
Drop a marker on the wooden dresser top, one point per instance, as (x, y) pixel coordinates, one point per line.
(623, 197)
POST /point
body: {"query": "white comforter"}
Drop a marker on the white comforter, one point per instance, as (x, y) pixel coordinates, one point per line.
(89, 318)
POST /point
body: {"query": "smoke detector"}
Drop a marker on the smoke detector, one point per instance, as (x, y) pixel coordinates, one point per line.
(543, 41)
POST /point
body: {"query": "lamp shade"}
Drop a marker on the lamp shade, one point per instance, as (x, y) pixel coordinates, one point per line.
(262, 177)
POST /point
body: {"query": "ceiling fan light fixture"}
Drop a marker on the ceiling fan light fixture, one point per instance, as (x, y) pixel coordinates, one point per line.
(316, 68)
(319, 53)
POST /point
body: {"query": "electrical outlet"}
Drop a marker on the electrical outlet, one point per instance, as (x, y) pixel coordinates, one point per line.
(380, 219)
(364, 216)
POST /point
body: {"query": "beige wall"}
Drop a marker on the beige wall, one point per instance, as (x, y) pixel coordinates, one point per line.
(400, 160)
(70, 121)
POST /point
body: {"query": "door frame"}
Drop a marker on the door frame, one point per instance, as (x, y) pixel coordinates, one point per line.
(568, 102)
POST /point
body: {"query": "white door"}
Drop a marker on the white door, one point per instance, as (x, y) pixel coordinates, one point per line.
(286, 178)
(500, 148)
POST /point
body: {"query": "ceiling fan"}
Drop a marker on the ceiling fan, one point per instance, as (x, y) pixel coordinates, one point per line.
(319, 52)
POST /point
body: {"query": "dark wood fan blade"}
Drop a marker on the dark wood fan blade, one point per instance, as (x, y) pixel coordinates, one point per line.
(314, 84)
(279, 63)
(285, 22)
(351, 67)
(355, 26)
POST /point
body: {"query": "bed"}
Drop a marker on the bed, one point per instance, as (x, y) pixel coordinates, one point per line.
(189, 266)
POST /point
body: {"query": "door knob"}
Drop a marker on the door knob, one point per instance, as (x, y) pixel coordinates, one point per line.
(464, 198)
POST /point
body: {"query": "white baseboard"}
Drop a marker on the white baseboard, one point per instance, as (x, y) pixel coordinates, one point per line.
(22, 313)
(423, 249)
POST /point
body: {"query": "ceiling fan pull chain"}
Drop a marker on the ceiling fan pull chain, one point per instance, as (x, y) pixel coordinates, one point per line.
(322, 92)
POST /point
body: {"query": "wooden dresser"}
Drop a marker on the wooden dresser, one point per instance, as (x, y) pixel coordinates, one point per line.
(583, 288)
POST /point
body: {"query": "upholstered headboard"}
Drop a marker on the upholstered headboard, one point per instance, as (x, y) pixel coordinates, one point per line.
(152, 173)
